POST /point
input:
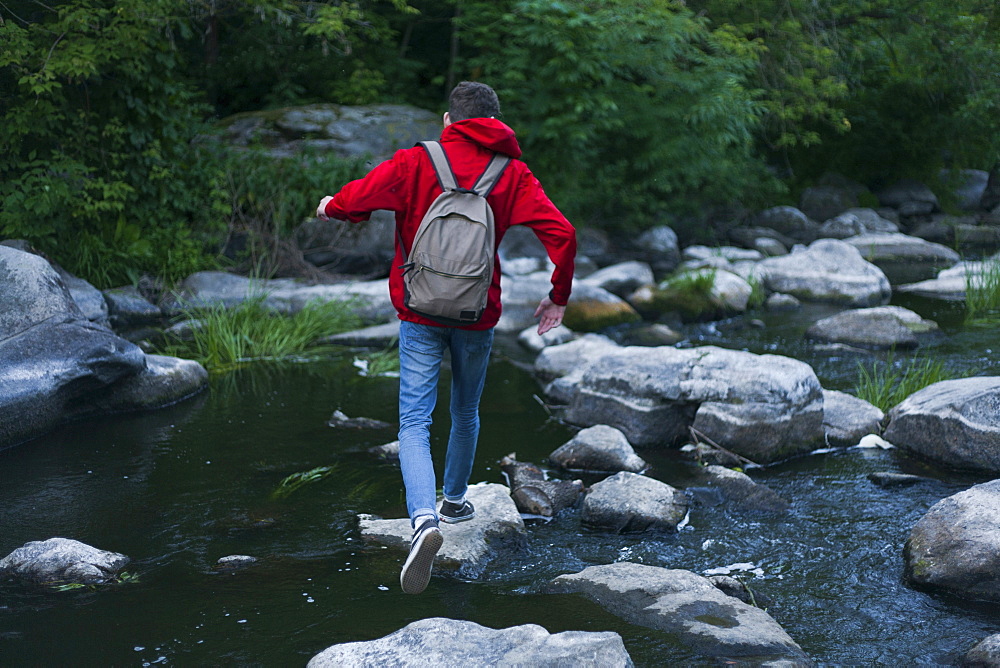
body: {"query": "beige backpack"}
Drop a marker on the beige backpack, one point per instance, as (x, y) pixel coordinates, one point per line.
(448, 271)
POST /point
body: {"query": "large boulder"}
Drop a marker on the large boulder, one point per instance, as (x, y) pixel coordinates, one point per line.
(469, 546)
(64, 561)
(881, 327)
(909, 197)
(829, 270)
(846, 418)
(628, 502)
(903, 258)
(764, 407)
(856, 221)
(788, 221)
(955, 547)
(954, 422)
(347, 131)
(688, 607)
(439, 641)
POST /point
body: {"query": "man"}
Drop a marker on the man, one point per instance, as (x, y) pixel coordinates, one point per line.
(407, 184)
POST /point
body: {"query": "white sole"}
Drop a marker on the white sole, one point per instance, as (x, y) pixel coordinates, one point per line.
(416, 571)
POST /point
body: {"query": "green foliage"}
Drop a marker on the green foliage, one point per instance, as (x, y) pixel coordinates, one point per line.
(628, 111)
(225, 338)
(295, 481)
(689, 293)
(383, 362)
(885, 384)
(982, 293)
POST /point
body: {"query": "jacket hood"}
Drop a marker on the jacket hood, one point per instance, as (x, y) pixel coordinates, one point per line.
(487, 132)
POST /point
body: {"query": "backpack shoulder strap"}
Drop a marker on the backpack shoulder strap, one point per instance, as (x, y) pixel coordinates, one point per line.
(494, 170)
(445, 175)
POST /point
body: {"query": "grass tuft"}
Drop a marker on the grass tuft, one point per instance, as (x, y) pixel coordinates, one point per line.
(982, 292)
(293, 482)
(887, 383)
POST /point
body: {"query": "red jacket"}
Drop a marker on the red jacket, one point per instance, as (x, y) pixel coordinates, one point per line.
(406, 184)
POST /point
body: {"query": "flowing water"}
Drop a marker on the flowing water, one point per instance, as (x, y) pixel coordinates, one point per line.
(178, 488)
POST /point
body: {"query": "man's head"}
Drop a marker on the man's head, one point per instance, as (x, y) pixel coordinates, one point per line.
(471, 99)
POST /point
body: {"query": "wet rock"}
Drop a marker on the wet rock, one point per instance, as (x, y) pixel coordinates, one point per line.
(705, 454)
(164, 381)
(829, 270)
(468, 546)
(769, 247)
(782, 302)
(651, 334)
(763, 407)
(856, 221)
(877, 328)
(890, 479)
(621, 279)
(787, 220)
(62, 560)
(986, 654)
(376, 336)
(591, 307)
(386, 451)
(730, 586)
(235, 562)
(903, 258)
(598, 448)
(340, 421)
(533, 341)
(950, 283)
(687, 606)
(955, 422)
(533, 494)
(846, 418)
(90, 300)
(448, 642)
(627, 502)
(739, 490)
(955, 547)
(128, 308)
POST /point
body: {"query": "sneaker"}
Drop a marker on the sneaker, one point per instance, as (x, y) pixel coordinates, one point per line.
(427, 540)
(456, 512)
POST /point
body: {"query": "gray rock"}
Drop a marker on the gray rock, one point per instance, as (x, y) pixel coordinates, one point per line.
(909, 195)
(748, 236)
(348, 131)
(890, 479)
(164, 381)
(468, 546)
(451, 643)
(598, 448)
(730, 586)
(986, 654)
(128, 308)
(769, 247)
(826, 201)
(975, 236)
(955, 422)
(991, 195)
(955, 547)
(877, 328)
(386, 451)
(846, 418)
(87, 297)
(590, 305)
(739, 490)
(338, 420)
(782, 302)
(380, 336)
(658, 248)
(968, 186)
(786, 220)
(235, 561)
(535, 342)
(730, 253)
(687, 606)
(828, 271)
(31, 292)
(628, 502)
(950, 283)
(534, 493)
(904, 258)
(623, 278)
(763, 407)
(62, 560)
(651, 334)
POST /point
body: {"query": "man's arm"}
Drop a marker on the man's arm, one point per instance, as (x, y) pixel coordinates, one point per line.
(551, 315)
(381, 188)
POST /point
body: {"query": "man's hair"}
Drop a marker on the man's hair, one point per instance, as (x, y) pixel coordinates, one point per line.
(471, 99)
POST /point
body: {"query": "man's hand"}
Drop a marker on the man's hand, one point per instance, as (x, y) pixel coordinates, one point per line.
(551, 315)
(321, 209)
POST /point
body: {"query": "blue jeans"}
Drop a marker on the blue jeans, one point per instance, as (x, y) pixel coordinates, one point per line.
(421, 352)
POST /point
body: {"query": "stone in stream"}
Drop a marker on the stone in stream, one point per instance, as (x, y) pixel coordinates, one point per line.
(340, 421)
(953, 422)
(762, 407)
(234, 562)
(955, 547)
(877, 328)
(387, 451)
(533, 494)
(687, 606)
(904, 258)
(468, 546)
(628, 502)
(439, 641)
(598, 448)
(890, 479)
(986, 654)
(846, 418)
(62, 561)
(128, 308)
(739, 490)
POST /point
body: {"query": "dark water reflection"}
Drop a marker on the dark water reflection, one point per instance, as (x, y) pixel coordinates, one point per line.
(179, 488)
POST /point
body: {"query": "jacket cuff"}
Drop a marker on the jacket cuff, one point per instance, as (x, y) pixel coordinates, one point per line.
(558, 300)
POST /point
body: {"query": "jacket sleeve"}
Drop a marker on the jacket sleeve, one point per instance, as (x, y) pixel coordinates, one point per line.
(532, 207)
(382, 188)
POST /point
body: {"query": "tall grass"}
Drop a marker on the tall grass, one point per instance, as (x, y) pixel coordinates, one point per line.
(982, 292)
(887, 383)
(224, 338)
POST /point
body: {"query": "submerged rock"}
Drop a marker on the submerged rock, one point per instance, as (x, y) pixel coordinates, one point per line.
(955, 547)
(598, 448)
(687, 606)
(890, 479)
(632, 502)
(449, 642)
(955, 422)
(468, 546)
(62, 560)
(533, 493)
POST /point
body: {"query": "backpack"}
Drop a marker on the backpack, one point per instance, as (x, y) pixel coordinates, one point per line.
(449, 269)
